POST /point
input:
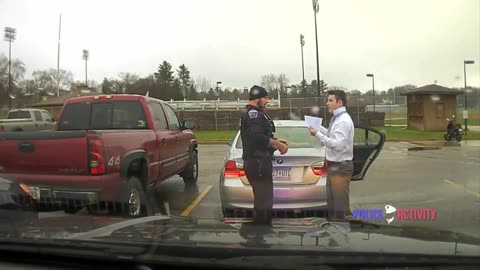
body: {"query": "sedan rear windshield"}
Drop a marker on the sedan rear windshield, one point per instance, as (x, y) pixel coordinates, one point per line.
(103, 115)
(297, 137)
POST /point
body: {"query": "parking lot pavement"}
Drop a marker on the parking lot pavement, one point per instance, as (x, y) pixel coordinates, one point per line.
(405, 175)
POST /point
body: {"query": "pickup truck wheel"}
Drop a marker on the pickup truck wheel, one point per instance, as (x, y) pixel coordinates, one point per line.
(135, 201)
(190, 176)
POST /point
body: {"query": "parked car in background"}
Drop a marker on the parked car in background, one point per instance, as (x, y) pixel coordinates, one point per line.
(27, 120)
(299, 176)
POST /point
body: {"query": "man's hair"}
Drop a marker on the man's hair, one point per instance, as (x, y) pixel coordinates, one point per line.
(339, 95)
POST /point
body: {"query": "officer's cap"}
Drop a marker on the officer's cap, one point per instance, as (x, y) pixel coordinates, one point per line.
(257, 92)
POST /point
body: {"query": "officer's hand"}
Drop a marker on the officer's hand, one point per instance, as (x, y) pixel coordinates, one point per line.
(312, 131)
(283, 141)
(282, 148)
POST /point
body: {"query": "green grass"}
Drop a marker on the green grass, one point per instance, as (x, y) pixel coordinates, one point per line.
(402, 133)
(212, 135)
(395, 121)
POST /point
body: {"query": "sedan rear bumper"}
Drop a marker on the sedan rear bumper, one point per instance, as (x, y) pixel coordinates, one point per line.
(235, 194)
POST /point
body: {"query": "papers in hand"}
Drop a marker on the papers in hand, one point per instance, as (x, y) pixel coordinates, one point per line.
(313, 122)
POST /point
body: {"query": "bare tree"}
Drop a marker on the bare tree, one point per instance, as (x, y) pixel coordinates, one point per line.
(203, 84)
(62, 80)
(128, 78)
(282, 82)
(17, 72)
(52, 81)
(270, 82)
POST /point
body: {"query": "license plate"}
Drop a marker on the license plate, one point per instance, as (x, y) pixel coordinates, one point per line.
(281, 173)
(35, 192)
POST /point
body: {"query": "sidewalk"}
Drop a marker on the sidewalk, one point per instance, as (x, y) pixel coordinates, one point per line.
(474, 128)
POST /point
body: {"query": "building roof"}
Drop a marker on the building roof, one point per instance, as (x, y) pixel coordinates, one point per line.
(433, 89)
(60, 100)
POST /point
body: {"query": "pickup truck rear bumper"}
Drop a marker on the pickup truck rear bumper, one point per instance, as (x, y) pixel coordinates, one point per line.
(71, 191)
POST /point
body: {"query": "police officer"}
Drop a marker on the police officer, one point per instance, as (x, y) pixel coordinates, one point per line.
(259, 144)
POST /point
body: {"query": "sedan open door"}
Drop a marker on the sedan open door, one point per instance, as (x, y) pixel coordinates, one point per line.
(367, 145)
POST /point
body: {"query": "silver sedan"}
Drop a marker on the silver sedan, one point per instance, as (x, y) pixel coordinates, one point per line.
(299, 176)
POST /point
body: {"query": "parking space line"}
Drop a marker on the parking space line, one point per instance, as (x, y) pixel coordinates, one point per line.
(195, 202)
(458, 185)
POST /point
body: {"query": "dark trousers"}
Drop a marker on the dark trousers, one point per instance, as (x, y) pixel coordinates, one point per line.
(338, 189)
(259, 174)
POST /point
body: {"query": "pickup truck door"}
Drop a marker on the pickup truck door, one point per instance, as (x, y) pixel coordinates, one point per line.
(164, 154)
(38, 121)
(48, 122)
(180, 151)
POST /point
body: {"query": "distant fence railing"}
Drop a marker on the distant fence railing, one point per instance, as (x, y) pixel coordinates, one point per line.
(193, 105)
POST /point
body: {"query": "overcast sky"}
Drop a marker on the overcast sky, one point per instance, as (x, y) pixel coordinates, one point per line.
(236, 42)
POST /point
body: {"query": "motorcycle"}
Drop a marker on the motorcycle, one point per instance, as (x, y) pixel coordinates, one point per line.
(454, 130)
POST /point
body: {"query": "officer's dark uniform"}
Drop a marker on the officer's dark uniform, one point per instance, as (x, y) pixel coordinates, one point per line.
(256, 131)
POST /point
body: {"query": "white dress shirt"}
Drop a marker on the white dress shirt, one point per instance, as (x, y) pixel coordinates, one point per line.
(339, 142)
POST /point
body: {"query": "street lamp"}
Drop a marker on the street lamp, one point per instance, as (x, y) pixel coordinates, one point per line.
(85, 57)
(373, 88)
(302, 43)
(315, 11)
(465, 111)
(10, 34)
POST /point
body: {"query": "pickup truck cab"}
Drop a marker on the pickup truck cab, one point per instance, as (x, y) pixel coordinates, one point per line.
(105, 151)
(27, 120)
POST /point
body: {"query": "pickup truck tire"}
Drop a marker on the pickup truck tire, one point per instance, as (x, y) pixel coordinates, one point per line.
(135, 202)
(190, 176)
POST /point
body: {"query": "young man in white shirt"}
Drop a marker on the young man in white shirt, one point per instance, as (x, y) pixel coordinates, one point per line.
(338, 140)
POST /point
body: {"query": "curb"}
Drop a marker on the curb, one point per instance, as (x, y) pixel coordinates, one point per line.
(213, 142)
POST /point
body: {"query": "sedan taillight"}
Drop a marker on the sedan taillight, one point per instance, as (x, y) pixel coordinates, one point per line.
(320, 168)
(231, 170)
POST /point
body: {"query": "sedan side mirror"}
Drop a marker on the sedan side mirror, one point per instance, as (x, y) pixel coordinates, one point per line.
(230, 143)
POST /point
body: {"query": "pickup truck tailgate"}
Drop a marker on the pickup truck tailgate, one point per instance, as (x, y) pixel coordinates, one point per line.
(44, 152)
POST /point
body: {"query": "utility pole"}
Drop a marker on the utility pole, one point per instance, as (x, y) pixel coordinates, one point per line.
(10, 34)
(58, 56)
(85, 57)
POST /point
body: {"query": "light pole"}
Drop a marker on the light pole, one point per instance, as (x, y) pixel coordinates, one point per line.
(10, 34)
(373, 88)
(85, 57)
(315, 11)
(465, 111)
(302, 43)
(58, 55)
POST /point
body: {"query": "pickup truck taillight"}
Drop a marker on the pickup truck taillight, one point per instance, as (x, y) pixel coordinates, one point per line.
(96, 161)
(231, 170)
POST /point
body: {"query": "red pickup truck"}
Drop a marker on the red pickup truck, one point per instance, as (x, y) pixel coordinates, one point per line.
(104, 150)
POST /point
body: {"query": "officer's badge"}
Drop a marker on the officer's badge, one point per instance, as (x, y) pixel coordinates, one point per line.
(253, 113)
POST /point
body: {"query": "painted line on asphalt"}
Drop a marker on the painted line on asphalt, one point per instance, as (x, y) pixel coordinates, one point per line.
(195, 202)
(461, 186)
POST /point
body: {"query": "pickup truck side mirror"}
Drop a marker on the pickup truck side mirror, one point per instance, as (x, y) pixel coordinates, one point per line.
(230, 142)
(188, 124)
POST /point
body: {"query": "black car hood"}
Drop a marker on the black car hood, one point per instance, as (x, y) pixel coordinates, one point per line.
(287, 234)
